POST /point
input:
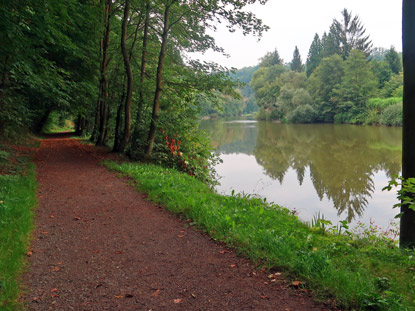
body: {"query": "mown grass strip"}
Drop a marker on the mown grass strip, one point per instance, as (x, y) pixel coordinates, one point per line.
(17, 201)
(361, 273)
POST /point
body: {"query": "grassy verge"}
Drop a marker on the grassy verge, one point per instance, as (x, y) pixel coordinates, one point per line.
(363, 273)
(17, 200)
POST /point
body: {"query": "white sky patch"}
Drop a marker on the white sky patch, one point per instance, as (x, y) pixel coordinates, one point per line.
(295, 22)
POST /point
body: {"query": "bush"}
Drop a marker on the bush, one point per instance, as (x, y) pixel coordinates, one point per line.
(392, 116)
(380, 104)
(302, 114)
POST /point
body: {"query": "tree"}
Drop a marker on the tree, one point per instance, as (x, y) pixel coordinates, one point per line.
(322, 85)
(350, 33)
(358, 84)
(382, 71)
(184, 25)
(314, 55)
(297, 63)
(101, 114)
(129, 94)
(407, 228)
(330, 43)
(270, 59)
(393, 59)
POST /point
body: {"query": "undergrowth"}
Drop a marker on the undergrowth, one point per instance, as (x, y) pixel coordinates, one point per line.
(17, 200)
(363, 272)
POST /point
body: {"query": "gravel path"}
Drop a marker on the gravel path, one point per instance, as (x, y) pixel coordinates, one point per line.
(100, 245)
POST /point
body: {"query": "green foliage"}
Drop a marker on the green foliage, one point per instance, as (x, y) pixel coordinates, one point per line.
(302, 114)
(393, 60)
(393, 87)
(357, 85)
(382, 71)
(350, 34)
(267, 85)
(17, 199)
(406, 191)
(376, 106)
(381, 103)
(271, 59)
(58, 122)
(392, 115)
(362, 272)
(48, 59)
(323, 83)
(314, 55)
(297, 63)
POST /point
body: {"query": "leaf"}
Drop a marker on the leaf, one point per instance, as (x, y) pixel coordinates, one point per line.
(156, 293)
(178, 300)
(53, 290)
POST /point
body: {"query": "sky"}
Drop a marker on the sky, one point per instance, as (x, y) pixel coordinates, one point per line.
(295, 22)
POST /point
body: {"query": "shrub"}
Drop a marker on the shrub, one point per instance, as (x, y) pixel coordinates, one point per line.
(392, 116)
(302, 114)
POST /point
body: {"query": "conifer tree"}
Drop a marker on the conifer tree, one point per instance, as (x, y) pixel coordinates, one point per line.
(350, 34)
(271, 59)
(393, 59)
(297, 63)
(315, 54)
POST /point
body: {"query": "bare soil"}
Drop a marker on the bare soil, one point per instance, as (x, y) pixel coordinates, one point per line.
(100, 245)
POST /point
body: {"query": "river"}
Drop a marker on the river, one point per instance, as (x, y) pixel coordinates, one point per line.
(335, 170)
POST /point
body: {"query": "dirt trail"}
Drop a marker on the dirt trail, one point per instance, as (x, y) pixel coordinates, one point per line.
(99, 245)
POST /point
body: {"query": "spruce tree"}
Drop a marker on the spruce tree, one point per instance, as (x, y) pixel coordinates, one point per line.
(297, 63)
(315, 54)
(331, 43)
(394, 61)
(271, 59)
(350, 33)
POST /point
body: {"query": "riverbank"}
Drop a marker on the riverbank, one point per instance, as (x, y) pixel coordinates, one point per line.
(366, 273)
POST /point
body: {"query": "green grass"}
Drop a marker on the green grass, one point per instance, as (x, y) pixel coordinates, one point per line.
(361, 273)
(17, 200)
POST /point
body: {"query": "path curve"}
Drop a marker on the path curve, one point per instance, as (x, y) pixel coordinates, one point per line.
(99, 245)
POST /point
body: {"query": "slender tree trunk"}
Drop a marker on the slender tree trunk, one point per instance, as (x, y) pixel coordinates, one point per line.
(136, 133)
(96, 120)
(407, 230)
(159, 83)
(127, 107)
(118, 121)
(103, 94)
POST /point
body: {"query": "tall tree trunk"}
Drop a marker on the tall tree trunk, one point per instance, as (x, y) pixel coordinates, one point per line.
(127, 107)
(407, 230)
(136, 133)
(119, 110)
(159, 83)
(116, 147)
(103, 93)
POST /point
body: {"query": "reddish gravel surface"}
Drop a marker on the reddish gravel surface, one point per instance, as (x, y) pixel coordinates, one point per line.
(99, 245)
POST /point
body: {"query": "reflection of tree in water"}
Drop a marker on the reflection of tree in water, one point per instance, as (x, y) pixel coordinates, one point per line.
(232, 137)
(342, 159)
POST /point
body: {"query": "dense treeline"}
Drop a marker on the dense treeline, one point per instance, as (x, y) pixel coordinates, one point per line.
(343, 80)
(120, 68)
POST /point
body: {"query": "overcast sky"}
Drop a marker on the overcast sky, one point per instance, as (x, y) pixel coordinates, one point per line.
(294, 22)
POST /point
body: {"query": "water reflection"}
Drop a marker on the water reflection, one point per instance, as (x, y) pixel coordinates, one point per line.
(340, 161)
